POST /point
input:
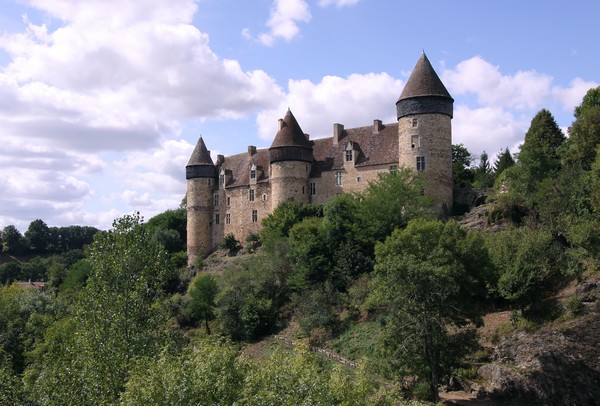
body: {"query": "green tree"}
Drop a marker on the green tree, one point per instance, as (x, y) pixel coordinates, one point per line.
(251, 294)
(528, 262)
(389, 203)
(584, 137)
(201, 305)
(484, 176)
(13, 241)
(210, 374)
(118, 317)
(503, 161)
(427, 280)
(461, 162)
(591, 98)
(539, 154)
(38, 235)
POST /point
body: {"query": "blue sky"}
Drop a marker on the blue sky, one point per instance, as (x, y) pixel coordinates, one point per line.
(102, 101)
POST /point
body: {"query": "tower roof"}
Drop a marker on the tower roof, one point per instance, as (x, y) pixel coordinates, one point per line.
(201, 155)
(290, 134)
(423, 81)
(200, 164)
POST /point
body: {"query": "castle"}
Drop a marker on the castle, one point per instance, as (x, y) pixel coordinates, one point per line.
(234, 194)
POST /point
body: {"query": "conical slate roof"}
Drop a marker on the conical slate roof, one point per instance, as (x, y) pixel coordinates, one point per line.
(290, 134)
(200, 164)
(423, 81)
(201, 155)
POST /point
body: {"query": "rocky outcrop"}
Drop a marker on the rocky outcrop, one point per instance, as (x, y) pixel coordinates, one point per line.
(548, 367)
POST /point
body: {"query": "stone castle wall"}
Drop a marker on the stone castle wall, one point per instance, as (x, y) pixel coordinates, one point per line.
(289, 181)
(431, 138)
(199, 217)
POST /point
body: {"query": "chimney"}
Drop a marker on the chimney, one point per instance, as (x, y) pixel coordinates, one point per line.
(338, 129)
(251, 150)
(280, 124)
(377, 126)
(220, 160)
(307, 136)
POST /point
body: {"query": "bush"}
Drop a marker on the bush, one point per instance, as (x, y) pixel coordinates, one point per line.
(231, 243)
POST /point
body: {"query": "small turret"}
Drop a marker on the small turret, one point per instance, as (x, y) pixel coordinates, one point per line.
(290, 156)
(201, 174)
(424, 111)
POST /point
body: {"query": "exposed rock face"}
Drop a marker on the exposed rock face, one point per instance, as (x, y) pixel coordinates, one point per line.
(547, 367)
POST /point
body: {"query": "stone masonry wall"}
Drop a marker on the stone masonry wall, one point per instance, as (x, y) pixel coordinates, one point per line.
(199, 217)
(289, 181)
(432, 139)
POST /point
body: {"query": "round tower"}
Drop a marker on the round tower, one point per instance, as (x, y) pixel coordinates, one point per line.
(424, 112)
(290, 157)
(201, 174)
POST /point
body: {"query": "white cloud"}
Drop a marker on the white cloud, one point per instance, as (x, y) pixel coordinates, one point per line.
(571, 96)
(487, 129)
(352, 101)
(109, 77)
(283, 20)
(523, 90)
(337, 3)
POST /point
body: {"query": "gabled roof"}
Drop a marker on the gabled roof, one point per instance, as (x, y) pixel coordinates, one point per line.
(423, 81)
(373, 149)
(240, 164)
(201, 155)
(290, 134)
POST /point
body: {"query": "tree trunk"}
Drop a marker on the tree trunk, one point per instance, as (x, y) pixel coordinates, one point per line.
(206, 325)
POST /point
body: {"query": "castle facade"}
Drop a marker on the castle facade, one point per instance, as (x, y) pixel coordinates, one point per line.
(234, 194)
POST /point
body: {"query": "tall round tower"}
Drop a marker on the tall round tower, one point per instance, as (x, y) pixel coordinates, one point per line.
(424, 112)
(290, 157)
(201, 174)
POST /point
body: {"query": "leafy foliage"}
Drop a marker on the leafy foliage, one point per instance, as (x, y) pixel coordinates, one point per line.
(427, 277)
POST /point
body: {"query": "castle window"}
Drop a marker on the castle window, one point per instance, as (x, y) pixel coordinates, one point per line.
(414, 141)
(393, 169)
(227, 218)
(255, 216)
(215, 200)
(312, 188)
(420, 163)
(228, 201)
(217, 219)
(358, 179)
(253, 172)
(303, 191)
(415, 123)
(349, 155)
(338, 178)
(264, 198)
(251, 195)
(222, 180)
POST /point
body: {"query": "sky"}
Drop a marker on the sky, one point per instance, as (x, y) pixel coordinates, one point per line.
(102, 101)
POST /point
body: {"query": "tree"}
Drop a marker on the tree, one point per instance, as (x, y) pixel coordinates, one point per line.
(503, 161)
(427, 280)
(38, 235)
(591, 98)
(584, 137)
(201, 305)
(483, 172)
(389, 203)
(119, 316)
(13, 241)
(528, 262)
(208, 374)
(461, 162)
(539, 154)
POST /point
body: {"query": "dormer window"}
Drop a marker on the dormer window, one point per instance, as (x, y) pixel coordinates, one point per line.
(253, 172)
(222, 178)
(349, 155)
